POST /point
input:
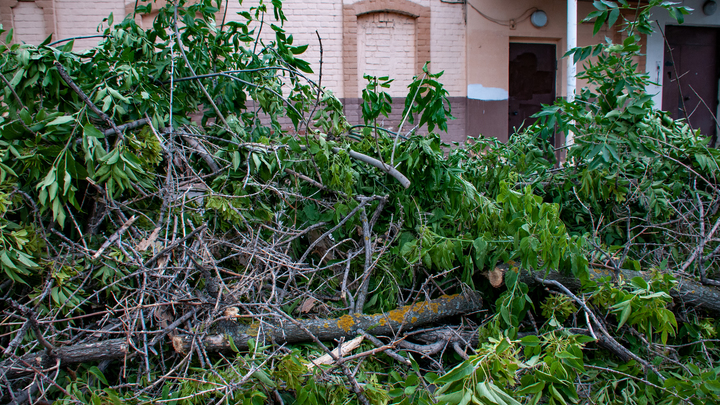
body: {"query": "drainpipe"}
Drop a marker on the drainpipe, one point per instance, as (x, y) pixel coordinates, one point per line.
(571, 69)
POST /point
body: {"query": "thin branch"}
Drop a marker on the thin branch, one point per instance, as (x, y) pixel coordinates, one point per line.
(607, 339)
(66, 77)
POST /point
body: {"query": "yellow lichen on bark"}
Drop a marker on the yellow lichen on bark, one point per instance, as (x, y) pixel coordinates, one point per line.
(252, 329)
(346, 322)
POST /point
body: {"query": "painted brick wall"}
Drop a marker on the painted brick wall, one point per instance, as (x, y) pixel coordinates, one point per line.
(447, 49)
(29, 23)
(379, 52)
(304, 19)
(386, 47)
(82, 17)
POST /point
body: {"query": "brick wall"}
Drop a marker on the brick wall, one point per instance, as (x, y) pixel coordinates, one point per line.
(31, 21)
(28, 22)
(386, 47)
(447, 46)
(82, 17)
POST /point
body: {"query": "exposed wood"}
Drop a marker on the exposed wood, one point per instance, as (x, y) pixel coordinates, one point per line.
(341, 351)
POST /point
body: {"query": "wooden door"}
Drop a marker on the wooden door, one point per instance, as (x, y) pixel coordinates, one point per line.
(532, 81)
(692, 56)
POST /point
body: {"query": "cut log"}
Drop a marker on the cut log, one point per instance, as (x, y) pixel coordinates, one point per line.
(388, 323)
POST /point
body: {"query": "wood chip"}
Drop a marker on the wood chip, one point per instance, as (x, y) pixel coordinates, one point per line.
(341, 351)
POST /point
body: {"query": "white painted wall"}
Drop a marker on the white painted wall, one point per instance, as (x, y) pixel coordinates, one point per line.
(656, 43)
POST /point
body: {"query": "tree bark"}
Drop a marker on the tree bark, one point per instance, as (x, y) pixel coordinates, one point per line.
(388, 323)
(105, 350)
(686, 291)
(279, 331)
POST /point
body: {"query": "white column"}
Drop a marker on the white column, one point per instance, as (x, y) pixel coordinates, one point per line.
(571, 69)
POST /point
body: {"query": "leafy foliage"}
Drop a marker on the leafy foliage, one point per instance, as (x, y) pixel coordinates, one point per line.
(285, 218)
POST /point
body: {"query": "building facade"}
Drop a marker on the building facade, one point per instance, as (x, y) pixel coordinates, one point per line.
(501, 60)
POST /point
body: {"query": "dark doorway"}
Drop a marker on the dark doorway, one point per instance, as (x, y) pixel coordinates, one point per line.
(532, 81)
(692, 56)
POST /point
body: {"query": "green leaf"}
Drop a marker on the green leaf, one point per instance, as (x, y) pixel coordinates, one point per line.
(501, 395)
(530, 341)
(90, 131)
(624, 315)
(713, 385)
(459, 372)
(97, 373)
(599, 22)
(557, 395)
(480, 249)
(532, 389)
(231, 341)
(61, 120)
(613, 16)
(453, 397)
(264, 378)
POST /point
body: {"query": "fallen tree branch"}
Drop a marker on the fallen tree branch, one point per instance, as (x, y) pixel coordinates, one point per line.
(173, 245)
(114, 237)
(204, 154)
(388, 323)
(82, 353)
(378, 164)
(282, 331)
(357, 389)
(66, 77)
(605, 339)
(379, 344)
(130, 125)
(687, 291)
(375, 163)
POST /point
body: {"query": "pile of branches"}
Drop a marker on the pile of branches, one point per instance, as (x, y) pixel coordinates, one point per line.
(139, 244)
(165, 238)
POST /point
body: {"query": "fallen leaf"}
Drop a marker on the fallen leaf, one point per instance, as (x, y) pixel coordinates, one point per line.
(232, 312)
(145, 243)
(307, 305)
(496, 276)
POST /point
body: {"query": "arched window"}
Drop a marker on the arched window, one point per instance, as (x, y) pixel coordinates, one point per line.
(31, 21)
(384, 37)
(386, 47)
